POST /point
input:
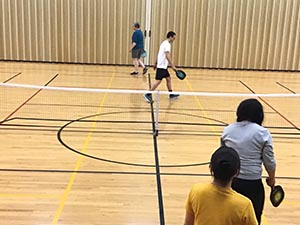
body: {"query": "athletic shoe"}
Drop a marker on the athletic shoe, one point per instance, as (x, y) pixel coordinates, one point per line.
(145, 70)
(134, 73)
(174, 96)
(148, 97)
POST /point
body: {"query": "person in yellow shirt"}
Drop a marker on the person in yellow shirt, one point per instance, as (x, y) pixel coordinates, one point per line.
(216, 203)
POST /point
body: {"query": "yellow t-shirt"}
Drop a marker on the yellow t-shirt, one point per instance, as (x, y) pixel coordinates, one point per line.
(213, 205)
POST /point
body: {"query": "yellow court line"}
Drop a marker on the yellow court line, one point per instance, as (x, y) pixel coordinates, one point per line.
(290, 203)
(264, 219)
(79, 160)
(24, 195)
(200, 105)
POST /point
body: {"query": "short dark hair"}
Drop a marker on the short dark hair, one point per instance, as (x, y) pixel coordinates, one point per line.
(136, 24)
(171, 34)
(225, 163)
(251, 110)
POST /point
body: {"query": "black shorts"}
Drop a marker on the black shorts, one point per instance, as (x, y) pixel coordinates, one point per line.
(161, 73)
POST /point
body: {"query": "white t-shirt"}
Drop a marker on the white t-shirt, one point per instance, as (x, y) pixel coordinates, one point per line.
(162, 61)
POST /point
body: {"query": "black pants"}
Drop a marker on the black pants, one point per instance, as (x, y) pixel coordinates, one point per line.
(254, 190)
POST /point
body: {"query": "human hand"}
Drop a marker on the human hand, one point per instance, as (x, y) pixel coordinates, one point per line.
(270, 181)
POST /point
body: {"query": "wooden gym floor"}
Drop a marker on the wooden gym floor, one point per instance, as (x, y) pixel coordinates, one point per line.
(73, 158)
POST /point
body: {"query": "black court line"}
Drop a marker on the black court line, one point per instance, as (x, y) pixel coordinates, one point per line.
(162, 109)
(268, 104)
(14, 76)
(84, 120)
(24, 103)
(36, 128)
(80, 129)
(38, 119)
(285, 87)
(131, 107)
(157, 166)
(60, 139)
(286, 134)
(19, 170)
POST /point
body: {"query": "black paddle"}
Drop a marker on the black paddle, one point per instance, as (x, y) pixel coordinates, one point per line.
(180, 74)
(276, 195)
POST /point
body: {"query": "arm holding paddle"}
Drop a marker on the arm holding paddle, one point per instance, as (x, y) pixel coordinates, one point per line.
(179, 73)
(269, 159)
(271, 179)
(277, 192)
(170, 61)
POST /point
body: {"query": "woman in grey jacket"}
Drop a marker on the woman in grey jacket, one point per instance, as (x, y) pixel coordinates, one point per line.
(254, 145)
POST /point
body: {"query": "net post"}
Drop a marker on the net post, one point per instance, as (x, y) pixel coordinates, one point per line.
(156, 112)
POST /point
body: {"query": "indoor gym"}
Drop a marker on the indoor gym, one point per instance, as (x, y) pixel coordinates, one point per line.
(77, 136)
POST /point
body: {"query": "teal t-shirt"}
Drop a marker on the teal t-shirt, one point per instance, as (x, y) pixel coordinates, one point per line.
(138, 38)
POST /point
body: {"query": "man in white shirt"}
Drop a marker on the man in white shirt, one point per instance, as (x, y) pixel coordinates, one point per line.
(161, 66)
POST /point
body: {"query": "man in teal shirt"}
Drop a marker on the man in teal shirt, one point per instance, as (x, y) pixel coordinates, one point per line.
(137, 48)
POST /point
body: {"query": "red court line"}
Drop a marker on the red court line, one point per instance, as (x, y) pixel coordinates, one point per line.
(285, 87)
(24, 103)
(275, 110)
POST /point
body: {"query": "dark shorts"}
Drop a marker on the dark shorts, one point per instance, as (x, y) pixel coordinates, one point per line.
(136, 53)
(161, 73)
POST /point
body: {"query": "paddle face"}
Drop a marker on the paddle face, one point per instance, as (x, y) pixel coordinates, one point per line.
(180, 74)
(277, 195)
(144, 54)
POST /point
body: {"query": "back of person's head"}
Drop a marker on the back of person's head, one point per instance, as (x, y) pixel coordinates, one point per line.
(136, 25)
(250, 110)
(170, 34)
(224, 164)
